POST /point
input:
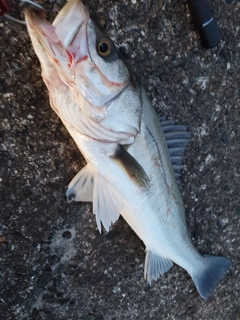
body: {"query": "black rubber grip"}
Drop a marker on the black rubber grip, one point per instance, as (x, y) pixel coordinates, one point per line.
(205, 23)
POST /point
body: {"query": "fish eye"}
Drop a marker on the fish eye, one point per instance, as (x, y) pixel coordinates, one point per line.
(104, 47)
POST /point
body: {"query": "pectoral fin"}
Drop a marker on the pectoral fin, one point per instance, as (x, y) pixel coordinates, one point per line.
(132, 167)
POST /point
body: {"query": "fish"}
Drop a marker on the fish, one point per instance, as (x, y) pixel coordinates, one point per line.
(133, 157)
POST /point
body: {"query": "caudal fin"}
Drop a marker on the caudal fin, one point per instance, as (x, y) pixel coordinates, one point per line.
(209, 277)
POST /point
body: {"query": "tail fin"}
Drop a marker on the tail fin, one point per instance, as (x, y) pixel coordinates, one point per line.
(209, 277)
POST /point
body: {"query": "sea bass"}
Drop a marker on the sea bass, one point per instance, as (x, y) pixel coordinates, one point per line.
(130, 156)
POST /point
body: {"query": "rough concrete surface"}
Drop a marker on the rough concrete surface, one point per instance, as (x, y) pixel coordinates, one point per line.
(54, 264)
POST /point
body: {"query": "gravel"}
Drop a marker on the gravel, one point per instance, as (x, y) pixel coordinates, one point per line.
(54, 264)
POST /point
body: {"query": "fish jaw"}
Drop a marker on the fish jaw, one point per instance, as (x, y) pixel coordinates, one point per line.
(71, 29)
(70, 63)
(57, 46)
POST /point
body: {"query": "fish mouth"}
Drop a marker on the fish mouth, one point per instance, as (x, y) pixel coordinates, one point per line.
(66, 38)
(64, 51)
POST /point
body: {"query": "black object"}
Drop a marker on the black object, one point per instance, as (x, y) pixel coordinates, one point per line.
(7, 6)
(202, 17)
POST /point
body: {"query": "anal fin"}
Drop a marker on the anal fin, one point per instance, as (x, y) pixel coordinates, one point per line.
(155, 266)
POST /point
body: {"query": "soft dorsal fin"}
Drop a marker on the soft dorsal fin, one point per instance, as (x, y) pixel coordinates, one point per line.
(81, 186)
(155, 266)
(107, 205)
(177, 138)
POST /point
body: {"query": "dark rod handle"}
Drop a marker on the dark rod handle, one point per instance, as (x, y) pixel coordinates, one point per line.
(205, 23)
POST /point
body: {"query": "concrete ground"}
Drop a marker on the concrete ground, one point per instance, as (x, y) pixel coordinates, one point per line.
(54, 264)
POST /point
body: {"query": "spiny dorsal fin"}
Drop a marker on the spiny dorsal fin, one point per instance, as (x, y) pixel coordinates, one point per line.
(177, 138)
(132, 167)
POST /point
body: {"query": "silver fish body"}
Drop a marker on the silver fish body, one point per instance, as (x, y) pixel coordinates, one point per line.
(129, 170)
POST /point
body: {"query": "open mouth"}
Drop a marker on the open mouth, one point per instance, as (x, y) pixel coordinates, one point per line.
(60, 46)
(66, 37)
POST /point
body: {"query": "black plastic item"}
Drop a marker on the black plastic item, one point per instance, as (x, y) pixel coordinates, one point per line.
(5, 6)
(202, 17)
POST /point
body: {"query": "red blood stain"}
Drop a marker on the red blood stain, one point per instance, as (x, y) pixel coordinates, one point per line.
(70, 56)
(83, 59)
(56, 61)
(106, 81)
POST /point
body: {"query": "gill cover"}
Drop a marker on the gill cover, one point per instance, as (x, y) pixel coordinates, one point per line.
(90, 85)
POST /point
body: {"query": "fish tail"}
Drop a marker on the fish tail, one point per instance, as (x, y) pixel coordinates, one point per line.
(209, 277)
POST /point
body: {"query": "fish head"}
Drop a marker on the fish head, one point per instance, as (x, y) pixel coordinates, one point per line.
(80, 64)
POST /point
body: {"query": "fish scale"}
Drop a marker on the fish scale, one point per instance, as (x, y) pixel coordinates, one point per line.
(130, 163)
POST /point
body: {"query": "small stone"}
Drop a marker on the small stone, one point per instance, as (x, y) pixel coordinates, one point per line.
(224, 138)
